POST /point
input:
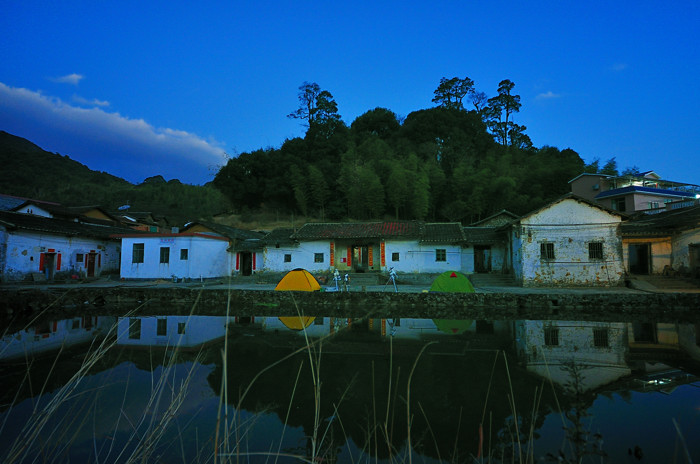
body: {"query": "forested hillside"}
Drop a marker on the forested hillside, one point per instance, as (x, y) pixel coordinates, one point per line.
(447, 163)
(28, 171)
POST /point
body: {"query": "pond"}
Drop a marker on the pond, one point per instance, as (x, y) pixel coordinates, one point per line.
(330, 389)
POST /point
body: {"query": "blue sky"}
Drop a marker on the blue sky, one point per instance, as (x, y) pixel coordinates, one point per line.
(143, 88)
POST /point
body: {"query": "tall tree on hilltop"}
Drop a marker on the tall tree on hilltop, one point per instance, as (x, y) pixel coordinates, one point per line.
(318, 109)
(499, 117)
(451, 92)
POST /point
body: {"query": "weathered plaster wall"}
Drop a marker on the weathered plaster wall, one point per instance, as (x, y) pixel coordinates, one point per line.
(570, 226)
(23, 254)
(206, 258)
(681, 253)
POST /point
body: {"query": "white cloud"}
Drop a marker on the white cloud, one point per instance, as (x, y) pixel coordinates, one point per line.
(94, 102)
(128, 148)
(73, 79)
(548, 95)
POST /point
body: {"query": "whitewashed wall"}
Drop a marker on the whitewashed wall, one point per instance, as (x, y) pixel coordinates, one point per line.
(302, 257)
(600, 365)
(207, 258)
(20, 254)
(571, 225)
(196, 330)
(681, 253)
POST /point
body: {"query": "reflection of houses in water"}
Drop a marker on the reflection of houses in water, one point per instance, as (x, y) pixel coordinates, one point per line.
(548, 348)
(658, 350)
(53, 335)
(170, 331)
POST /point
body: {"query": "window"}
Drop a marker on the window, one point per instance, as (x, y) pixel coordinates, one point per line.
(600, 338)
(137, 253)
(395, 256)
(79, 258)
(134, 328)
(551, 336)
(654, 205)
(162, 327)
(318, 257)
(287, 258)
(180, 328)
(595, 250)
(546, 251)
(440, 254)
(184, 254)
(164, 255)
(618, 204)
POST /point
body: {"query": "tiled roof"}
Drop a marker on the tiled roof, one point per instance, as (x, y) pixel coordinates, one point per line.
(484, 235)
(360, 230)
(14, 221)
(280, 236)
(232, 233)
(449, 232)
(663, 223)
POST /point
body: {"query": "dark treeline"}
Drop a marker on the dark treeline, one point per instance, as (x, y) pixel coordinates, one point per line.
(462, 160)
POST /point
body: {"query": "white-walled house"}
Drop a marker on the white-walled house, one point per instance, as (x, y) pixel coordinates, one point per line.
(200, 251)
(408, 247)
(184, 332)
(182, 256)
(32, 245)
(570, 241)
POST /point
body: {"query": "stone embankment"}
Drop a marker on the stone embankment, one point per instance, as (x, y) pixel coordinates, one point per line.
(58, 303)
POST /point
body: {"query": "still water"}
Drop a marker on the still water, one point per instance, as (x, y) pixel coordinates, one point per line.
(326, 389)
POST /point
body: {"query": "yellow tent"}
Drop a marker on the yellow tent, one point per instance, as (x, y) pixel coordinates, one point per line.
(297, 322)
(299, 280)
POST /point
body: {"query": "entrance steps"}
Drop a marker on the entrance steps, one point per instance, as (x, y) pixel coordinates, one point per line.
(492, 280)
(358, 279)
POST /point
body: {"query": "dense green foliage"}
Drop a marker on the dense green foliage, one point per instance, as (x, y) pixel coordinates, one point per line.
(441, 164)
(30, 172)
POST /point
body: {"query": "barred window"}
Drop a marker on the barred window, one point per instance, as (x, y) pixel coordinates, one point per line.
(318, 257)
(162, 327)
(134, 328)
(600, 338)
(595, 250)
(287, 258)
(164, 255)
(184, 254)
(440, 254)
(395, 256)
(551, 336)
(546, 251)
(137, 253)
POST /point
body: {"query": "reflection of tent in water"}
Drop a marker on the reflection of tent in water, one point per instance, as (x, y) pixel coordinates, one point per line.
(452, 282)
(299, 280)
(297, 322)
(453, 326)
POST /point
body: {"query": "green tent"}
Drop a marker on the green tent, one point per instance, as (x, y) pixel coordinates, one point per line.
(453, 326)
(452, 282)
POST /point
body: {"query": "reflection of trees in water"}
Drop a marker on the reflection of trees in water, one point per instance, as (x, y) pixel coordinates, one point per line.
(447, 394)
(581, 441)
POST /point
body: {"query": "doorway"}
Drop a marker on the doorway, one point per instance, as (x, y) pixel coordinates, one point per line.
(360, 258)
(49, 264)
(90, 264)
(640, 258)
(482, 258)
(246, 263)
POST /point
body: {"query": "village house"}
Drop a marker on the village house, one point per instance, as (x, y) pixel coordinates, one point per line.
(645, 192)
(569, 242)
(34, 244)
(408, 247)
(664, 243)
(201, 251)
